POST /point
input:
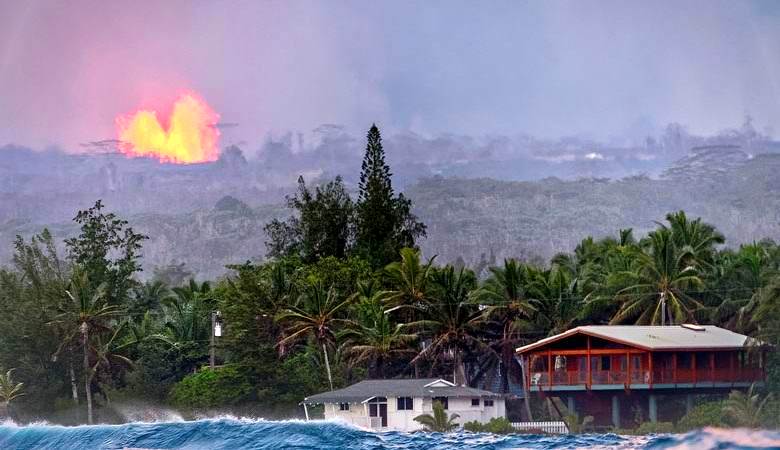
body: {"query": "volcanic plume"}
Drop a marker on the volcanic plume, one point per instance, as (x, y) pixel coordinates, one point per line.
(191, 135)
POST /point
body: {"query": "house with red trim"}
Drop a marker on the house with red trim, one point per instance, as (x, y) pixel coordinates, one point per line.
(611, 371)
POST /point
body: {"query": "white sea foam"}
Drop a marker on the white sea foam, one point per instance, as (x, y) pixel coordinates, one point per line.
(146, 413)
(714, 437)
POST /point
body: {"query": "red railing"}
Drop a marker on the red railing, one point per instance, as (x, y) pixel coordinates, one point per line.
(660, 376)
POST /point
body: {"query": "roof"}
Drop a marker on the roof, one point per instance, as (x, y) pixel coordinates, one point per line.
(420, 387)
(671, 337)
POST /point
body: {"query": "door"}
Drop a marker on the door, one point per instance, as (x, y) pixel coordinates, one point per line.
(383, 413)
(377, 411)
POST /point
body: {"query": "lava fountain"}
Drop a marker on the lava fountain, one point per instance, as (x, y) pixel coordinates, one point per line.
(191, 135)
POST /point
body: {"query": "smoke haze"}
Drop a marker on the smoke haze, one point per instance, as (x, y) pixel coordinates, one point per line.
(607, 70)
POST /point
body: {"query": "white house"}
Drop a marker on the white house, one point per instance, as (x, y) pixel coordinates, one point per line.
(393, 404)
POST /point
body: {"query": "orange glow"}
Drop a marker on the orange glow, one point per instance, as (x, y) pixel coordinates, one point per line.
(191, 136)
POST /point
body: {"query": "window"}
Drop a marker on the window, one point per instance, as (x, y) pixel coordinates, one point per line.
(442, 400)
(405, 403)
(605, 362)
(488, 402)
(474, 402)
(343, 406)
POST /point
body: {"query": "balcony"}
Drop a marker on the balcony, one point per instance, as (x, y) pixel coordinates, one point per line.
(642, 379)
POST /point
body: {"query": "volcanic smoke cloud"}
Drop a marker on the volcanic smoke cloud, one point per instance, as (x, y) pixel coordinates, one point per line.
(191, 136)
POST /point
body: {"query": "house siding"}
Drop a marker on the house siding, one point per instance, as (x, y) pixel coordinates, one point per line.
(404, 420)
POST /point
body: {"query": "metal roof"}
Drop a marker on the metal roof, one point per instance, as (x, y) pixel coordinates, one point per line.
(671, 337)
(420, 387)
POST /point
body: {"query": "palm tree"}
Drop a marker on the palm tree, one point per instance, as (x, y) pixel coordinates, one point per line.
(697, 237)
(85, 314)
(187, 314)
(746, 278)
(438, 421)
(746, 409)
(504, 300)
(767, 312)
(8, 391)
(657, 287)
(281, 291)
(107, 353)
(451, 321)
(410, 278)
(148, 296)
(373, 337)
(555, 305)
(316, 316)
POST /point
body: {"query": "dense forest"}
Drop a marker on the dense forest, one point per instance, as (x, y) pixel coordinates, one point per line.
(543, 197)
(346, 294)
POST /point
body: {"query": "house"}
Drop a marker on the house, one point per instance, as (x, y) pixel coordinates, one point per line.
(393, 404)
(603, 370)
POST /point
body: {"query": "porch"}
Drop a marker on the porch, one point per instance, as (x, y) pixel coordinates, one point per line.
(607, 369)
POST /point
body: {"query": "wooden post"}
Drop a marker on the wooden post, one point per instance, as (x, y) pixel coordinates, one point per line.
(674, 367)
(549, 368)
(590, 376)
(650, 364)
(712, 366)
(731, 366)
(628, 369)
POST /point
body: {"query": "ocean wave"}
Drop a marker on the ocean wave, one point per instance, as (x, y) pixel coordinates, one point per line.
(229, 432)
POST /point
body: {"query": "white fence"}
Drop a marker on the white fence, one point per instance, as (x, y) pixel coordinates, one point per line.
(545, 427)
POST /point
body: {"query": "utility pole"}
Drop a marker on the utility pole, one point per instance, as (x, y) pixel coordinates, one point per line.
(212, 356)
(216, 331)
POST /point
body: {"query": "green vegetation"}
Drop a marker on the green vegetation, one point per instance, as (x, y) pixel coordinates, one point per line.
(345, 294)
(439, 421)
(749, 409)
(9, 390)
(496, 425)
(210, 388)
(746, 409)
(707, 414)
(577, 425)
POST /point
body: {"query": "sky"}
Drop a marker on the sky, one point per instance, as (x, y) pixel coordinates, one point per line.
(601, 69)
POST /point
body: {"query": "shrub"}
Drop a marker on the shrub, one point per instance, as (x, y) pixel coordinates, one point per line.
(708, 414)
(657, 427)
(497, 425)
(474, 426)
(209, 388)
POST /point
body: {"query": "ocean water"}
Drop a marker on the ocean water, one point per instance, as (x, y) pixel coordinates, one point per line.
(233, 433)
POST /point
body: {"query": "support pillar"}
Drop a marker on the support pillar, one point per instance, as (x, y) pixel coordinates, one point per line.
(652, 407)
(306, 411)
(688, 403)
(570, 404)
(616, 411)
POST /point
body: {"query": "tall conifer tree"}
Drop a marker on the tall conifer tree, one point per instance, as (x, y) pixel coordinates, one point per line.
(385, 223)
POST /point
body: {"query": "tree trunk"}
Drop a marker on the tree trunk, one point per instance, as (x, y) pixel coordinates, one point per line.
(526, 396)
(460, 370)
(73, 386)
(4, 410)
(87, 377)
(327, 365)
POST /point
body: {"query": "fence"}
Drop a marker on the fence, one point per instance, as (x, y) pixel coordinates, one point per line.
(541, 427)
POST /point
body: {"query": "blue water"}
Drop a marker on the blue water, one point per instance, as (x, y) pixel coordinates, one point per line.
(230, 433)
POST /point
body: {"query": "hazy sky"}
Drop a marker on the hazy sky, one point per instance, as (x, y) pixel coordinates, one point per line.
(549, 68)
